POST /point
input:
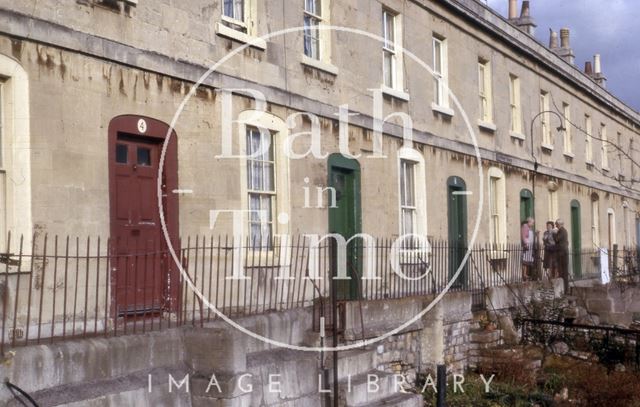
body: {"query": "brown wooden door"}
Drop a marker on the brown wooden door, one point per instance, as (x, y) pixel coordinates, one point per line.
(142, 270)
(137, 226)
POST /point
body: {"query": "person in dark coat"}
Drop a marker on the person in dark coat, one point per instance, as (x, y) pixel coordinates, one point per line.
(549, 259)
(562, 253)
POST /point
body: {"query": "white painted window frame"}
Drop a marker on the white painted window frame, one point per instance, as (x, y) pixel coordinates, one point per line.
(441, 73)
(323, 62)
(485, 91)
(545, 120)
(497, 215)
(246, 29)
(420, 189)
(279, 132)
(588, 124)
(15, 197)
(568, 131)
(515, 105)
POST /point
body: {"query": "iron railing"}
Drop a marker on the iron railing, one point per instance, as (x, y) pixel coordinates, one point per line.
(53, 288)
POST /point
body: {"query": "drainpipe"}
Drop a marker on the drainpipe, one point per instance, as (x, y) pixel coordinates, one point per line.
(334, 318)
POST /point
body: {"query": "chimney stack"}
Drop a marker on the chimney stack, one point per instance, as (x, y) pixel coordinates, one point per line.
(525, 22)
(513, 9)
(565, 51)
(553, 39)
(598, 76)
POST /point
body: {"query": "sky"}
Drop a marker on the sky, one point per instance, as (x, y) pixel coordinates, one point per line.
(607, 27)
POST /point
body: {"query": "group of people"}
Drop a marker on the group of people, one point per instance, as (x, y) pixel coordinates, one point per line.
(555, 240)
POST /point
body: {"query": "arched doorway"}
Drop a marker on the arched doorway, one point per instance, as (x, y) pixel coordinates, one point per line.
(526, 204)
(345, 218)
(457, 226)
(142, 284)
(576, 239)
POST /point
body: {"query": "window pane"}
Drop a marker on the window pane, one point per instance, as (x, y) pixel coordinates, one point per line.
(493, 188)
(312, 6)
(409, 183)
(403, 184)
(144, 156)
(407, 221)
(437, 56)
(266, 146)
(267, 177)
(260, 220)
(388, 21)
(387, 68)
(253, 141)
(311, 37)
(122, 153)
(234, 9)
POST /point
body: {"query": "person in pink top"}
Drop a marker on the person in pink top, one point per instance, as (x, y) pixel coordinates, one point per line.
(527, 239)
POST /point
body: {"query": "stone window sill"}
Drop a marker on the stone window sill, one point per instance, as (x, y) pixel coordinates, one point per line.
(320, 65)
(547, 147)
(227, 32)
(447, 111)
(487, 126)
(519, 136)
(569, 154)
(395, 93)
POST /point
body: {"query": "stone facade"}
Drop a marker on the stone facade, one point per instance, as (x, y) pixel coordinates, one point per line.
(143, 59)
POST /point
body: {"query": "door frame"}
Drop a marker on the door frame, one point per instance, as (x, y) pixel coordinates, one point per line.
(156, 131)
(339, 161)
(525, 195)
(455, 183)
(576, 235)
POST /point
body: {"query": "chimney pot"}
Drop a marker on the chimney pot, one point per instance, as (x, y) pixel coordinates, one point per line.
(565, 38)
(588, 68)
(526, 9)
(553, 39)
(513, 9)
(597, 62)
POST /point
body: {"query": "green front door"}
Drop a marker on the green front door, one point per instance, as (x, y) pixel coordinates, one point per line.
(345, 219)
(526, 205)
(457, 221)
(576, 240)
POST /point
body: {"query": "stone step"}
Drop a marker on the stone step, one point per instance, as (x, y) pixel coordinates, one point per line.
(398, 400)
(353, 362)
(298, 375)
(366, 388)
(130, 390)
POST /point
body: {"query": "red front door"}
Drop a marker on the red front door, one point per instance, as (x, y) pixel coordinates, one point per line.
(142, 270)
